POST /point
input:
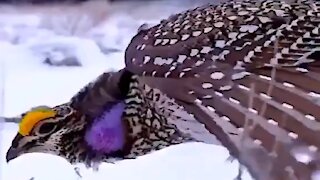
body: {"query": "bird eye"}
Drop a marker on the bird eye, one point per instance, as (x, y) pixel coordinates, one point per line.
(47, 128)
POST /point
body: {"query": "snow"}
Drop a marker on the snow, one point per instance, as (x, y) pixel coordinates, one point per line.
(187, 162)
(29, 82)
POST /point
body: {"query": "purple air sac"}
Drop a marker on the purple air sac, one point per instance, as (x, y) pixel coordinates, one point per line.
(107, 134)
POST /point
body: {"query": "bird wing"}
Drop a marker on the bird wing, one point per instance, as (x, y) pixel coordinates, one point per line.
(255, 64)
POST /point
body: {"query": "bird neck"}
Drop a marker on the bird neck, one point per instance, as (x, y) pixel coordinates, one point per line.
(107, 133)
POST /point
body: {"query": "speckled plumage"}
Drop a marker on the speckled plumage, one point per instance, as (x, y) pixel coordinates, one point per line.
(244, 72)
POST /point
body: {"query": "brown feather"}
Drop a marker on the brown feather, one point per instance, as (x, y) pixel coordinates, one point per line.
(212, 56)
(248, 70)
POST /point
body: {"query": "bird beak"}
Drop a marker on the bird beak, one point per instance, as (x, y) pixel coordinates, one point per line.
(14, 151)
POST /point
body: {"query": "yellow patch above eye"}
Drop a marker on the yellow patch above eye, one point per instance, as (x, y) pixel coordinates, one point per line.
(32, 118)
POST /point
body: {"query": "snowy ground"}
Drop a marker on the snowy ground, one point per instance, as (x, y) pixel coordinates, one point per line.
(28, 82)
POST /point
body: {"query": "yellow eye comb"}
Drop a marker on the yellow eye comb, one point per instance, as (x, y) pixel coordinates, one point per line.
(32, 118)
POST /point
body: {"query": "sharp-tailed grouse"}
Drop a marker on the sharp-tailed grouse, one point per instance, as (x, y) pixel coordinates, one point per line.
(245, 72)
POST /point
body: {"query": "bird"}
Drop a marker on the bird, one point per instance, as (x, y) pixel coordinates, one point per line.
(245, 73)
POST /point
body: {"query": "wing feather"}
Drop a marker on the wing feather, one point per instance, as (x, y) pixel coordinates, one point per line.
(255, 65)
(249, 71)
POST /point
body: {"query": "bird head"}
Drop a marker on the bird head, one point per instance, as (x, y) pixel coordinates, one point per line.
(84, 130)
(54, 131)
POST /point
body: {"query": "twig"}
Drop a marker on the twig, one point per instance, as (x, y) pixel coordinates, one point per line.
(246, 128)
(10, 120)
(77, 171)
(250, 127)
(274, 63)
